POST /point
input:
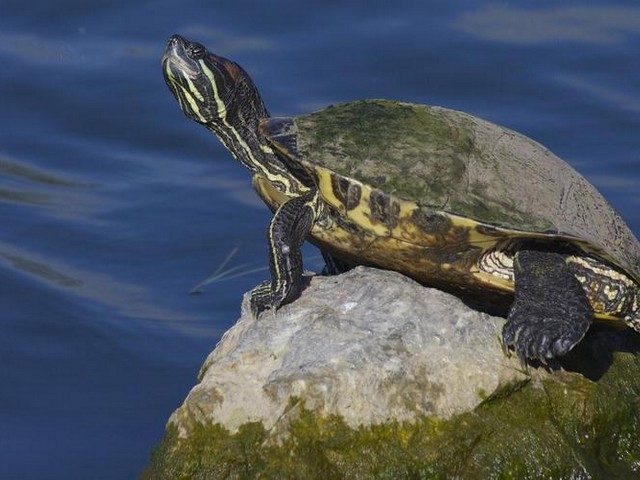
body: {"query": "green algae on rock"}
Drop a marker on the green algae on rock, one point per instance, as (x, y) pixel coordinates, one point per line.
(275, 423)
(560, 427)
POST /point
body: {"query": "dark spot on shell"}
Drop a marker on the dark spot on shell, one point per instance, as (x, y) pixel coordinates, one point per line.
(346, 191)
(430, 222)
(447, 256)
(383, 209)
(489, 230)
(344, 223)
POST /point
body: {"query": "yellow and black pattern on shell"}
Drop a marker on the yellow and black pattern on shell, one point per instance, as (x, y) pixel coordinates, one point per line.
(346, 191)
(442, 249)
(380, 229)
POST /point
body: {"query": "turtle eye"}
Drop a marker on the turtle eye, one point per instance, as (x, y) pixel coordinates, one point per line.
(196, 51)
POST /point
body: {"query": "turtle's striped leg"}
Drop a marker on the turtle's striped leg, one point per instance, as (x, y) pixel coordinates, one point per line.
(287, 232)
(550, 312)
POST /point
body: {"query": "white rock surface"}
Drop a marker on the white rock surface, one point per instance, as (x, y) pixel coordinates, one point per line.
(370, 345)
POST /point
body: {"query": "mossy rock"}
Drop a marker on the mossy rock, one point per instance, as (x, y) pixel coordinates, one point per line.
(562, 425)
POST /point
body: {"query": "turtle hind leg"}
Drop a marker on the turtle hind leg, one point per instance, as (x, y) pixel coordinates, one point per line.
(550, 313)
(334, 265)
(287, 232)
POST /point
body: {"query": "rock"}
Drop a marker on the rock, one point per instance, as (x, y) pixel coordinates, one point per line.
(370, 345)
(373, 357)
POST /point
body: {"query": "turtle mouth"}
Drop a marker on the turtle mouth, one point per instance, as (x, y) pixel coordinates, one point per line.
(176, 60)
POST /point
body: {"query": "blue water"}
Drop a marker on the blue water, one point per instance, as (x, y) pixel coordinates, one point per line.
(113, 205)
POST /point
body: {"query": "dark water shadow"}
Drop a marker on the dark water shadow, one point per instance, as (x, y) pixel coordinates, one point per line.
(594, 355)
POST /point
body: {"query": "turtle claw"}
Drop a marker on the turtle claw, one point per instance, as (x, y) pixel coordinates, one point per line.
(260, 299)
(263, 298)
(539, 339)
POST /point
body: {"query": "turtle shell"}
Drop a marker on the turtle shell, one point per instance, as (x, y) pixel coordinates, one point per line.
(411, 173)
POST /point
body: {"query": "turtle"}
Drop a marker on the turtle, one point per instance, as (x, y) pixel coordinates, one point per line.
(448, 199)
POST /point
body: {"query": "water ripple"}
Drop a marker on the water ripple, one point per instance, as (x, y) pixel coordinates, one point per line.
(620, 100)
(81, 52)
(590, 25)
(131, 300)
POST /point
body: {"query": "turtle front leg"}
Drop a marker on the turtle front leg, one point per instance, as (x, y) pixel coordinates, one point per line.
(287, 232)
(551, 312)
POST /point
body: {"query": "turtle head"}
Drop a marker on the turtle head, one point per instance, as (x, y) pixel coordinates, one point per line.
(219, 94)
(210, 89)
